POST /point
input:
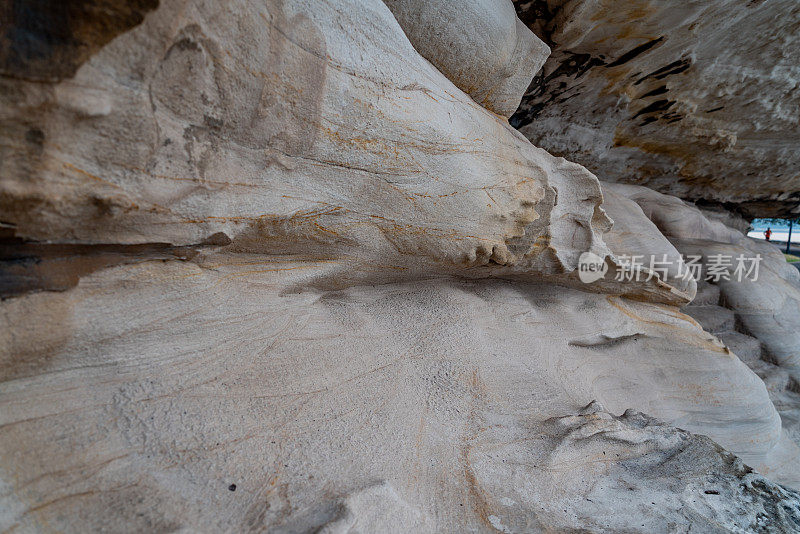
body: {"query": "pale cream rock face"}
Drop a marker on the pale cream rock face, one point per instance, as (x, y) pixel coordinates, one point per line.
(481, 46)
(760, 320)
(289, 142)
(674, 217)
(767, 307)
(634, 463)
(314, 131)
(635, 235)
(315, 311)
(171, 381)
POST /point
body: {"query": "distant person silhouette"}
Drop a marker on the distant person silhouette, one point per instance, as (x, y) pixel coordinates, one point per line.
(768, 233)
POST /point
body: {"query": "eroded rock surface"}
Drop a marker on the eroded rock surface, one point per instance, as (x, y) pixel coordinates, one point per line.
(755, 316)
(301, 399)
(765, 304)
(589, 470)
(695, 99)
(267, 268)
(488, 53)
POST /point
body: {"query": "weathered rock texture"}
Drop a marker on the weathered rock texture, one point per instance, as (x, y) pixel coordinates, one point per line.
(767, 307)
(48, 40)
(164, 383)
(503, 53)
(696, 99)
(266, 268)
(287, 143)
(757, 319)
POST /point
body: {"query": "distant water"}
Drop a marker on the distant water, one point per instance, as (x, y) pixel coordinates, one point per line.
(761, 224)
(779, 231)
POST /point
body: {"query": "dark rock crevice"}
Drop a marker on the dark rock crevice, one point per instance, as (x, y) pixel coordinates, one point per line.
(48, 40)
(30, 266)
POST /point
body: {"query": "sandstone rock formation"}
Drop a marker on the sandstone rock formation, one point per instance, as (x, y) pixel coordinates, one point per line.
(162, 384)
(267, 267)
(695, 99)
(503, 53)
(767, 307)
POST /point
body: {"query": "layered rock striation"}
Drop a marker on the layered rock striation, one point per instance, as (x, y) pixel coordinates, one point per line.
(694, 99)
(285, 266)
